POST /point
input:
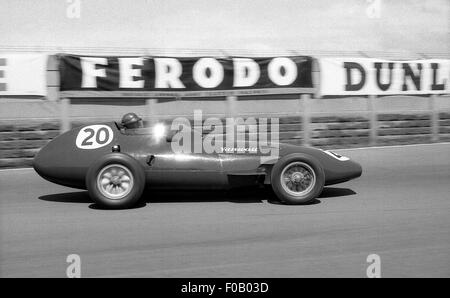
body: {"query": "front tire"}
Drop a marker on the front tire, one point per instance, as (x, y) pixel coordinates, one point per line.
(297, 179)
(115, 181)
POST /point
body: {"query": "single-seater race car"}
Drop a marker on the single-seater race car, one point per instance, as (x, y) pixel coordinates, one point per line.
(115, 161)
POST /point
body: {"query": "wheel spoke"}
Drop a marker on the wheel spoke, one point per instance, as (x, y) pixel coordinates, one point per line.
(105, 181)
(125, 186)
(303, 186)
(289, 184)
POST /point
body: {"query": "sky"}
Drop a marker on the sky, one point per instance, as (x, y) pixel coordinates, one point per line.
(402, 25)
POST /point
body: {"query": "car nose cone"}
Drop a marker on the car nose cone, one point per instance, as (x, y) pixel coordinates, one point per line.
(39, 163)
(53, 161)
(44, 162)
(355, 170)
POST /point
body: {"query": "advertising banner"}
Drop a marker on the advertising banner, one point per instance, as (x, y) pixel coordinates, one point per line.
(23, 74)
(367, 76)
(88, 76)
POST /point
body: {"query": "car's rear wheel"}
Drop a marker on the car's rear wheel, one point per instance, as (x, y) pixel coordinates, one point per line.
(297, 179)
(115, 181)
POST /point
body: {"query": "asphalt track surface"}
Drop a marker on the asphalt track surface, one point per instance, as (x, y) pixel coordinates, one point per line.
(399, 209)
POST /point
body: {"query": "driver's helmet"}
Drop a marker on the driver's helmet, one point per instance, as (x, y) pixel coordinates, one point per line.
(131, 120)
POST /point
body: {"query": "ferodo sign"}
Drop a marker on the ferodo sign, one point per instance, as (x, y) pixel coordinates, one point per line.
(83, 76)
(367, 76)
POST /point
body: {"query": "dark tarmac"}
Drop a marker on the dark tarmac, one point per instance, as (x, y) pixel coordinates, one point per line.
(399, 209)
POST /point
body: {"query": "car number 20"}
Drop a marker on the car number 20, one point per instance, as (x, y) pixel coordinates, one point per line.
(94, 136)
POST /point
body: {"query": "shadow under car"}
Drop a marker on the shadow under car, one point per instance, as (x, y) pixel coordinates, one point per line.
(253, 195)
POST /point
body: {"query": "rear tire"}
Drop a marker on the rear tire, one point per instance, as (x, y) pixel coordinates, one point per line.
(297, 179)
(115, 181)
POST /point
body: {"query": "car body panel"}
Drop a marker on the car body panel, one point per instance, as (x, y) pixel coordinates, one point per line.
(62, 161)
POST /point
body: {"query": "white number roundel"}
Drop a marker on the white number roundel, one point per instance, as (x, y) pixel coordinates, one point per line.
(94, 136)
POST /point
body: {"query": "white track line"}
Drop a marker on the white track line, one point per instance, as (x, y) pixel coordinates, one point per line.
(360, 148)
(393, 146)
(15, 169)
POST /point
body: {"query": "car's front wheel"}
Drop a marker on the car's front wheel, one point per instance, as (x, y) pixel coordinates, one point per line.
(115, 181)
(297, 179)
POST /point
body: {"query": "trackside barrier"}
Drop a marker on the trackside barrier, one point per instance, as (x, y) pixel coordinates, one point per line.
(303, 122)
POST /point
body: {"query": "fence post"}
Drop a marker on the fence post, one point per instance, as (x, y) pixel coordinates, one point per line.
(64, 120)
(230, 113)
(373, 121)
(231, 106)
(306, 117)
(151, 105)
(434, 118)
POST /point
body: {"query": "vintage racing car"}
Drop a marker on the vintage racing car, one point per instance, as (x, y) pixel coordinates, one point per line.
(115, 161)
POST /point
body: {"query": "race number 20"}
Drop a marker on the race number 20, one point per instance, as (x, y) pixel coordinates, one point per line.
(94, 136)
